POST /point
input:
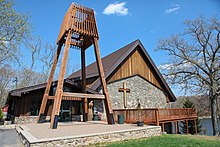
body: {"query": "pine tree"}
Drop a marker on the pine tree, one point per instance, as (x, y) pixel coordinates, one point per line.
(188, 104)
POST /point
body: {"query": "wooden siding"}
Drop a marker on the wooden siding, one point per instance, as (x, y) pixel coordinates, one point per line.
(135, 64)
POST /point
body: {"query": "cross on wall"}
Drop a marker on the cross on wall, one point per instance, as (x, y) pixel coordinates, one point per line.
(125, 90)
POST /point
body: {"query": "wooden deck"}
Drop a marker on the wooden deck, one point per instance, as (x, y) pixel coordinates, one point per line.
(157, 116)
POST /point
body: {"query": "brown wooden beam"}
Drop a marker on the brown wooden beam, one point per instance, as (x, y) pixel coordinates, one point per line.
(79, 96)
(195, 125)
(176, 130)
(162, 126)
(157, 117)
(59, 90)
(83, 95)
(108, 107)
(187, 127)
(71, 98)
(51, 97)
(85, 101)
(41, 117)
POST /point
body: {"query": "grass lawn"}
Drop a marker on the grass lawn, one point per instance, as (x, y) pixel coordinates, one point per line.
(170, 141)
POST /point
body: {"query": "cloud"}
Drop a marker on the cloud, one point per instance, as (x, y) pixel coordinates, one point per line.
(117, 8)
(174, 8)
(182, 66)
(165, 66)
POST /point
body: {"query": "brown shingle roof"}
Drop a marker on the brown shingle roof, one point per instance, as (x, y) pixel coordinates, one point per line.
(19, 91)
(107, 62)
(113, 60)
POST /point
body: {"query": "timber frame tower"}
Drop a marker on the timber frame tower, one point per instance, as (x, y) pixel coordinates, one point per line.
(79, 31)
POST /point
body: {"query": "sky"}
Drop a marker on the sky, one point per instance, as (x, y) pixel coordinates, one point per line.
(119, 22)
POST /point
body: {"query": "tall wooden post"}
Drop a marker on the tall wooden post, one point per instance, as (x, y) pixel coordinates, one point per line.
(195, 125)
(178, 130)
(84, 101)
(187, 127)
(59, 90)
(41, 117)
(157, 117)
(162, 126)
(175, 123)
(108, 107)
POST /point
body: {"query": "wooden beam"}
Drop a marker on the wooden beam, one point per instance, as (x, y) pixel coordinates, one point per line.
(195, 125)
(84, 101)
(187, 127)
(178, 131)
(175, 123)
(83, 95)
(41, 117)
(162, 126)
(79, 96)
(59, 90)
(51, 97)
(71, 98)
(157, 117)
(108, 107)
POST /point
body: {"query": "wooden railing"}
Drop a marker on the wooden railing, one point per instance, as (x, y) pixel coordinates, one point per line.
(155, 115)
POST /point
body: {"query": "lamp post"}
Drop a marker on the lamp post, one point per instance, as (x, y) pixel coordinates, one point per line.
(16, 82)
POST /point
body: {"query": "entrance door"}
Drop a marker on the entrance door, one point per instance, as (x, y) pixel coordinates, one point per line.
(65, 111)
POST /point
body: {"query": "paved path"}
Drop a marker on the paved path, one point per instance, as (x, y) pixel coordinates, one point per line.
(9, 138)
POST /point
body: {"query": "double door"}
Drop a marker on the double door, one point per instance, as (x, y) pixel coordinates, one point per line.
(69, 110)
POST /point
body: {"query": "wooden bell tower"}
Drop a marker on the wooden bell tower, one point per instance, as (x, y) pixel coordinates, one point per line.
(79, 31)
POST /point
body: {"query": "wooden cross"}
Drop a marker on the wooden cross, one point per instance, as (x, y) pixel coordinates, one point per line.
(125, 90)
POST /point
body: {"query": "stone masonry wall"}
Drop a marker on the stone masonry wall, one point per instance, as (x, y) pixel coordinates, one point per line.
(96, 139)
(25, 119)
(149, 95)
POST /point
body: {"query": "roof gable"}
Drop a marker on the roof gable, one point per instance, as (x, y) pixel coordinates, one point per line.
(135, 64)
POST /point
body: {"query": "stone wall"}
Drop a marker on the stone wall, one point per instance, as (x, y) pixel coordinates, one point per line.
(96, 139)
(25, 119)
(149, 95)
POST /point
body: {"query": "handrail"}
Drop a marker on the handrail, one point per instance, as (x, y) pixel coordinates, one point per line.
(155, 115)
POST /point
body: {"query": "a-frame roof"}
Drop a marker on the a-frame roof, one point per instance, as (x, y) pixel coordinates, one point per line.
(113, 61)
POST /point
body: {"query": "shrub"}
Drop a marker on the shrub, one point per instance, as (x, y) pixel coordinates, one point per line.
(1, 114)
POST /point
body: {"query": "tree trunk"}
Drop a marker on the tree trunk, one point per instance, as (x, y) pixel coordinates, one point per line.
(214, 115)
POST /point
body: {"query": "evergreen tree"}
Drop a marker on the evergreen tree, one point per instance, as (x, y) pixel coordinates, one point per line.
(188, 104)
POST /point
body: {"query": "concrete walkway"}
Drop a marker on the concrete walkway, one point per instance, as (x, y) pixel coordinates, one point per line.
(9, 138)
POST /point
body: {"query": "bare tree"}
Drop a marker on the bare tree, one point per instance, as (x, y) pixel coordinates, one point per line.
(35, 48)
(6, 82)
(194, 60)
(28, 77)
(47, 59)
(14, 29)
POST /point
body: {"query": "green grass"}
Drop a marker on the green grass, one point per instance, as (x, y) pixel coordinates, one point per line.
(170, 141)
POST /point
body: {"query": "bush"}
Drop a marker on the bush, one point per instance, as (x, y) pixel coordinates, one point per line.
(1, 114)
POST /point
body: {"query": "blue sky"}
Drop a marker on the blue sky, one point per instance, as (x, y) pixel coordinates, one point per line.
(122, 21)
